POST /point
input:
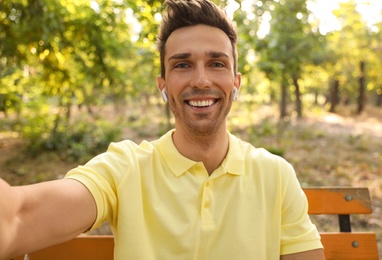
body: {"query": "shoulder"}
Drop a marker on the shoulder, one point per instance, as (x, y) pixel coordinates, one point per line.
(133, 149)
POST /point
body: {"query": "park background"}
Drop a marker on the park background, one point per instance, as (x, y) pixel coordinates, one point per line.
(76, 75)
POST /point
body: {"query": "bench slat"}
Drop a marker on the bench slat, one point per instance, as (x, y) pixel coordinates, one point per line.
(80, 248)
(334, 200)
(348, 246)
(338, 246)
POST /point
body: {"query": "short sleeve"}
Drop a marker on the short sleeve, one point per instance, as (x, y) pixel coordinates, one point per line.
(298, 233)
(101, 176)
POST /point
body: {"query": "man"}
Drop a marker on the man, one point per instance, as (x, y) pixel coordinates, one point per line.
(198, 192)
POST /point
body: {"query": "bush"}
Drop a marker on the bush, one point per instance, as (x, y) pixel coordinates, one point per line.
(79, 141)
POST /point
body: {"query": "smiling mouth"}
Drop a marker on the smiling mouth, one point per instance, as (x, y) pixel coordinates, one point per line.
(201, 103)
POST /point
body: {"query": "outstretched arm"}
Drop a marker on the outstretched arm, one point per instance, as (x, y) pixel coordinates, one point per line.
(39, 215)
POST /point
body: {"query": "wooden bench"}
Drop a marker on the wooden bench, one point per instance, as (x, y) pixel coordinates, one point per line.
(344, 244)
(341, 245)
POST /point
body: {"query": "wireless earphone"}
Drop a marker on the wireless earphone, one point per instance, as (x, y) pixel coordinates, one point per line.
(235, 94)
(164, 95)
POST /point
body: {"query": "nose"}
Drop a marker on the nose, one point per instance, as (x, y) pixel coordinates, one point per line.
(200, 77)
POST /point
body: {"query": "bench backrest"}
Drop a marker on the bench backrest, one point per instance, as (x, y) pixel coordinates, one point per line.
(342, 245)
(344, 202)
(80, 248)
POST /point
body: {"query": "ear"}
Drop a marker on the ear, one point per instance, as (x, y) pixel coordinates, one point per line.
(161, 83)
(162, 88)
(237, 81)
(236, 84)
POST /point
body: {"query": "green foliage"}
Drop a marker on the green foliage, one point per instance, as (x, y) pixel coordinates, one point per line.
(75, 52)
(290, 45)
(78, 141)
(34, 125)
(257, 133)
(82, 140)
(359, 142)
(267, 127)
(276, 150)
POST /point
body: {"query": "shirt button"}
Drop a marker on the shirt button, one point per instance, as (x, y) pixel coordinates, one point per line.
(206, 204)
(207, 184)
(198, 168)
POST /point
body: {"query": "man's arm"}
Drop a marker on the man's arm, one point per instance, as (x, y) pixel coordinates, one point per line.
(37, 216)
(317, 254)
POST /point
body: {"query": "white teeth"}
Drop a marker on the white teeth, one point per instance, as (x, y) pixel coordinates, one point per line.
(204, 103)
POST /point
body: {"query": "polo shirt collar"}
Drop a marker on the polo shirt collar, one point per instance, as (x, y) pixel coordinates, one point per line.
(178, 164)
(234, 161)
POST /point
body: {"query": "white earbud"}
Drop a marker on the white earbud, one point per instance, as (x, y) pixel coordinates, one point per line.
(235, 94)
(164, 95)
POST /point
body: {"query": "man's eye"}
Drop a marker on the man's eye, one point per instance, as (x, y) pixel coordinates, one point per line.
(218, 64)
(181, 65)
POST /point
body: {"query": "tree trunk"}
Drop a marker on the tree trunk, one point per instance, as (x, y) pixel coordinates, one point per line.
(378, 100)
(334, 94)
(284, 95)
(298, 97)
(57, 120)
(3, 106)
(362, 88)
(316, 98)
(68, 111)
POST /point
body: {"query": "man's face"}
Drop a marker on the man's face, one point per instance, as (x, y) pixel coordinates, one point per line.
(199, 78)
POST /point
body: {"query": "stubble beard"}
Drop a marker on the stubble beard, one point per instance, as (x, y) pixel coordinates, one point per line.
(203, 127)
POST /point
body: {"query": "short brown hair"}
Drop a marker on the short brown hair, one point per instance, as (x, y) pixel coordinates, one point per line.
(183, 13)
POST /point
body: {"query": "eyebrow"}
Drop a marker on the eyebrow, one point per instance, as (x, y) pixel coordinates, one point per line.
(179, 56)
(216, 54)
(212, 54)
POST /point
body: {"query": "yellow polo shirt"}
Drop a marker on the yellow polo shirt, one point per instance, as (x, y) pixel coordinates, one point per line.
(162, 205)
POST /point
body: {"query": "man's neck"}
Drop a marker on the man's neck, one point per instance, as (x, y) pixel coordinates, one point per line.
(209, 149)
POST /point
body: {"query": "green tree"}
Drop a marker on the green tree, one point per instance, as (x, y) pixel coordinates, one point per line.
(69, 51)
(289, 46)
(375, 67)
(350, 46)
